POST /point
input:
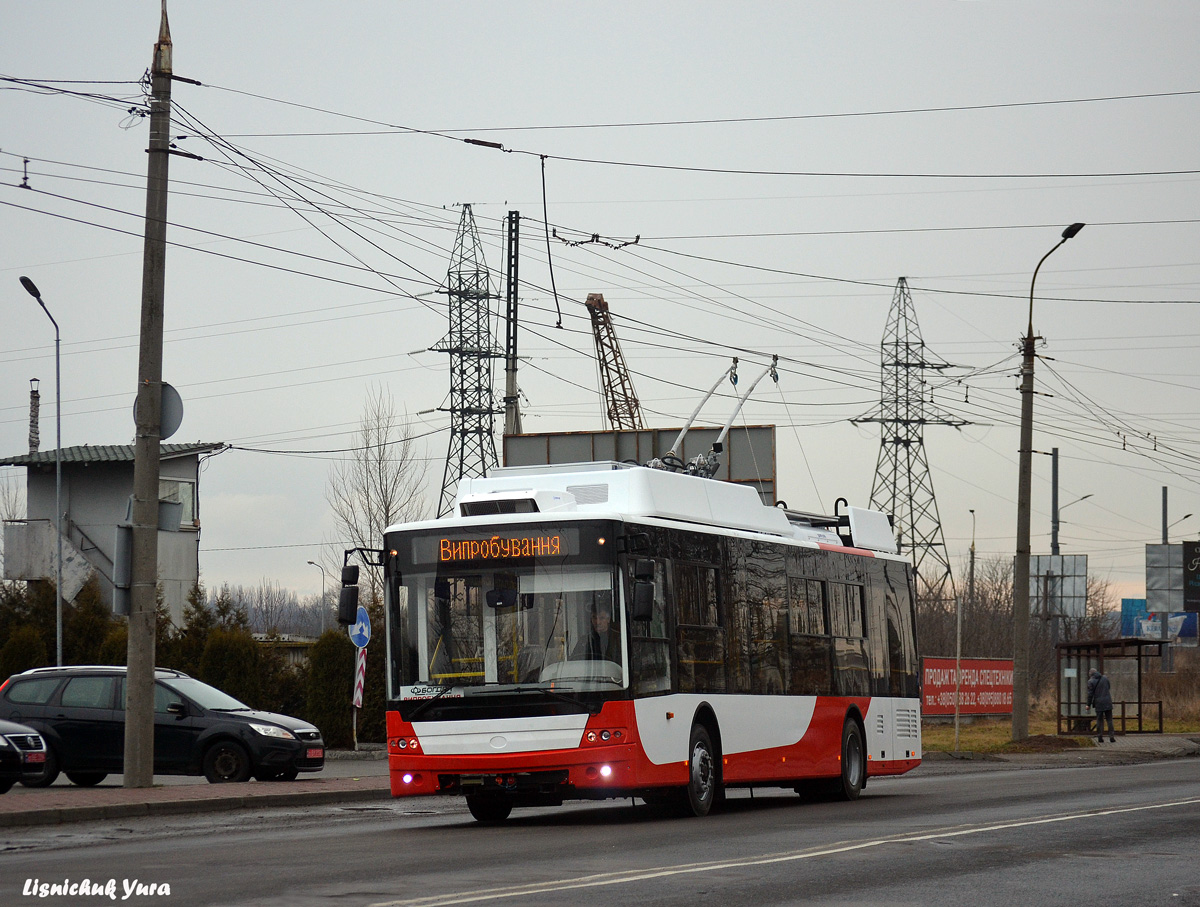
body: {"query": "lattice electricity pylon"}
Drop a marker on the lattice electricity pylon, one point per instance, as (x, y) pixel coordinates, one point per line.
(471, 347)
(621, 402)
(903, 485)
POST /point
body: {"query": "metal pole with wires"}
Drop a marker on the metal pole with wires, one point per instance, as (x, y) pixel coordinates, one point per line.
(1020, 720)
(32, 290)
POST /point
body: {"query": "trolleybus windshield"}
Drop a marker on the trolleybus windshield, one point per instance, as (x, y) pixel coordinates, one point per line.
(477, 612)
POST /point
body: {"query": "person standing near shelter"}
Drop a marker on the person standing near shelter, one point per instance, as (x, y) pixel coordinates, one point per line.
(1100, 698)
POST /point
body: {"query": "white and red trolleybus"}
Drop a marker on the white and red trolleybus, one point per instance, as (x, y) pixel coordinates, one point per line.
(598, 630)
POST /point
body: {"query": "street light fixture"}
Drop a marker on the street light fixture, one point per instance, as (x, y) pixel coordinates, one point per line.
(32, 290)
(1186, 516)
(1054, 522)
(324, 607)
(1020, 720)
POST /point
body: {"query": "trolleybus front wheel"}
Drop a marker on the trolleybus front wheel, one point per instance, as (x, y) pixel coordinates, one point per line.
(702, 772)
(489, 809)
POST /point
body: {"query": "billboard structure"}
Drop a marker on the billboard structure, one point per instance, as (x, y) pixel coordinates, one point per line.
(1137, 621)
(1173, 578)
(984, 685)
(1058, 585)
(748, 457)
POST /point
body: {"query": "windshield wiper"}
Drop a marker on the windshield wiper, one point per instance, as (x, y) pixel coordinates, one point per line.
(591, 707)
(428, 702)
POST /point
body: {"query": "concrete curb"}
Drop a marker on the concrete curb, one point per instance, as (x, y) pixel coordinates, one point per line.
(166, 807)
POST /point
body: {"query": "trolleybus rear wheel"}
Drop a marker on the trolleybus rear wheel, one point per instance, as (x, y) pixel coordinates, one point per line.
(854, 763)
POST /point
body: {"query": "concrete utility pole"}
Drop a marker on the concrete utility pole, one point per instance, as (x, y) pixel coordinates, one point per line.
(512, 394)
(1020, 719)
(143, 601)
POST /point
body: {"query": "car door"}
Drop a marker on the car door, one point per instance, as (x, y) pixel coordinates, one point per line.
(90, 728)
(175, 730)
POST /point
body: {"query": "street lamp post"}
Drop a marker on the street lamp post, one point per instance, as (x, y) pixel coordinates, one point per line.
(1020, 721)
(324, 607)
(32, 289)
(1054, 522)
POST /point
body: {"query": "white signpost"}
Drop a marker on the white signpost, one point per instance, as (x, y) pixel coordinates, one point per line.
(360, 635)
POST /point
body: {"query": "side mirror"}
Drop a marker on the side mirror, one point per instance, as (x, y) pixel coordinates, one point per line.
(348, 605)
(350, 575)
(643, 569)
(177, 708)
(643, 601)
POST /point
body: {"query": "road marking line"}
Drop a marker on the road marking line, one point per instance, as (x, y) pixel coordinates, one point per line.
(641, 875)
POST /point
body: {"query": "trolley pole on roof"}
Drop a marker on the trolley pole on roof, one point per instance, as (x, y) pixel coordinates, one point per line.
(143, 601)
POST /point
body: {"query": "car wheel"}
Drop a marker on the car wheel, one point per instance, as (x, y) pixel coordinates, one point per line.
(489, 810)
(48, 774)
(86, 779)
(854, 763)
(6, 786)
(702, 772)
(226, 761)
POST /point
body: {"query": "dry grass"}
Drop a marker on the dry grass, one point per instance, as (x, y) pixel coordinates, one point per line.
(1179, 693)
(994, 735)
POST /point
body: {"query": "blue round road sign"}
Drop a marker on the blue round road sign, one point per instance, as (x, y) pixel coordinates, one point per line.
(360, 630)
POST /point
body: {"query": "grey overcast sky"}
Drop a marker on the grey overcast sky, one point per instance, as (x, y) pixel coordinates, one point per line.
(783, 163)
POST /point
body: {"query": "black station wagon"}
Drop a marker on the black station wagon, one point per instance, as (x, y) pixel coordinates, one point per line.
(80, 712)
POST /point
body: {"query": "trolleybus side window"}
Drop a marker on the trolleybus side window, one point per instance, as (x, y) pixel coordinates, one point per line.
(852, 676)
(701, 638)
(757, 618)
(811, 658)
(650, 653)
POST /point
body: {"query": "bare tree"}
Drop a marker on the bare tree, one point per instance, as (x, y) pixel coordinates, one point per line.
(987, 627)
(380, 482)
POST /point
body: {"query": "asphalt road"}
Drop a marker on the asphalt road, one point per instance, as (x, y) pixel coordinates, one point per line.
(976, 834)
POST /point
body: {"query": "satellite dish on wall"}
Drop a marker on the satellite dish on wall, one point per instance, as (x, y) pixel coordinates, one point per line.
(171, 413)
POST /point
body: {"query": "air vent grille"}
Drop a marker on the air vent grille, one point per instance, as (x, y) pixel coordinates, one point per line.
(504, 505)
(907, 723)
(589, 494)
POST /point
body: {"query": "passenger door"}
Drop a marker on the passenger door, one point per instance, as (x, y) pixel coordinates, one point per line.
(92, 731)
(175, 732)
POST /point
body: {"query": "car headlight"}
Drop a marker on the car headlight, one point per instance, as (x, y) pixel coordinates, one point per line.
(272, 730)
(4, 741)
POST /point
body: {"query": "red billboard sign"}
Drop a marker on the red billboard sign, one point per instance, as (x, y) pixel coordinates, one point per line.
(986, 686)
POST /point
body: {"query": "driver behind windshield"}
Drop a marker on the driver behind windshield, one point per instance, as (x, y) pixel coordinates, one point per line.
(603, 641)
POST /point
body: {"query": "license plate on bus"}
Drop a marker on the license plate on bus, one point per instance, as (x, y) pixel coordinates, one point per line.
(316, 753)
(35, 758)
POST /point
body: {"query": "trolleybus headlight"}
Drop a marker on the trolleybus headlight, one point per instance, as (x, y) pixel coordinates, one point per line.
(591, 736)
(604, 735)
(605, 771)
(402, 743)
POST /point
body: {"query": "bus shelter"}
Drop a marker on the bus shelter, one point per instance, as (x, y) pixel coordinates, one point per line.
(1123, 661)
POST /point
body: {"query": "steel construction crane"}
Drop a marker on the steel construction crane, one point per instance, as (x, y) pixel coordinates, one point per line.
(623, 409)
